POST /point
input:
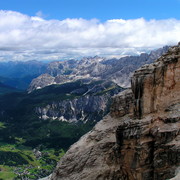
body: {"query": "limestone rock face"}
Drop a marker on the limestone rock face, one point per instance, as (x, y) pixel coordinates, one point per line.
(157, 86)
(94, 156)
(140, 138)
(122, 104)
(149, 148)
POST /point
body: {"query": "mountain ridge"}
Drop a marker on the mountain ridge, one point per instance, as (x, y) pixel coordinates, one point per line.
(97, 68)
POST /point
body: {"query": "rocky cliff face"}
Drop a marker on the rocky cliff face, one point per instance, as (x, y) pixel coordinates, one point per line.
(117, 70)
(79, 102)
(85, 108)
(156, 86)
(140, 138)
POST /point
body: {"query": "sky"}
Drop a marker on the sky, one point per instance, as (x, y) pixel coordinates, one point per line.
(62, 29)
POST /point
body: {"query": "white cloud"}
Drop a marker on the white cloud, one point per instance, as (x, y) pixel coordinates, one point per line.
(40, 14)
(23, 37)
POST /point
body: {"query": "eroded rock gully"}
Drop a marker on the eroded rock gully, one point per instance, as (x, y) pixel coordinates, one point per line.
(139, 139)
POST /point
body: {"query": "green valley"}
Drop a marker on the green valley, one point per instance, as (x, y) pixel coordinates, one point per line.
(30, 145)
(20, 162)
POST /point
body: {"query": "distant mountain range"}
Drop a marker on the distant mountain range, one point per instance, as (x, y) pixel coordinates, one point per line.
(19, 74)
(118, 71)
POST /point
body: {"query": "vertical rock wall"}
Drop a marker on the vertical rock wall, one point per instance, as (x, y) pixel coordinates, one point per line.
(149, 144)
(156, 86)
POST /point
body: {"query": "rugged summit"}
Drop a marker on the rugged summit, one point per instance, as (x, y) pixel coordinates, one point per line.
(118, 71)
(140, 138)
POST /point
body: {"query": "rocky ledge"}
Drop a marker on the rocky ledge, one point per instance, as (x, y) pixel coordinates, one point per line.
(139, 139)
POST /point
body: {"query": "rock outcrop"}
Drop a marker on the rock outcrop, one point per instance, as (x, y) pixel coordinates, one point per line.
(140, 138)
(41, 82)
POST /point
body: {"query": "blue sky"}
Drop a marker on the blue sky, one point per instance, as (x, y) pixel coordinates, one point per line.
(63, 29)
(100, 9)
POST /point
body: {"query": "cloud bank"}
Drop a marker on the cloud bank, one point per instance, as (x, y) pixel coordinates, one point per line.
(25, 38)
